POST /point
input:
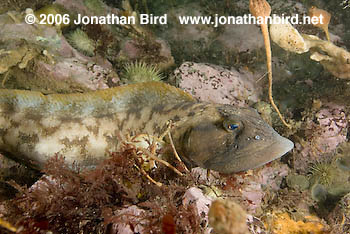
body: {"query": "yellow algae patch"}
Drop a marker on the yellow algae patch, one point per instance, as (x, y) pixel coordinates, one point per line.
(283, 224)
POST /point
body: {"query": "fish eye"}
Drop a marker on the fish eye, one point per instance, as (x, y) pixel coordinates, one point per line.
(231, 125)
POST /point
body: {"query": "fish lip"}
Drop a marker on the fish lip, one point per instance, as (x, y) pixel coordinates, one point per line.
(279, 148)
(250, 160)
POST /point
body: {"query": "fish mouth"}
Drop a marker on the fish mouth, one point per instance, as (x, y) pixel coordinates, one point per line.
(280, 147)
(246, 159)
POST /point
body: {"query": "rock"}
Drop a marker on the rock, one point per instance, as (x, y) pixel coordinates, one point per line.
(260, 183)
(88, 74)
(298, 182)
(319, 193)
(323, 132)
(132, 50)
(187, 33)
(339, 216)
(56, 65)
(211, 83)
(195, 196)
(131, 213)
(255, 185)
(16, 54)
(333, 124)
(242, 37)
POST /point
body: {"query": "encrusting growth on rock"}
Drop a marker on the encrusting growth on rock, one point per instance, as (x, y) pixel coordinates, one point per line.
(261, 8)
(283, 223)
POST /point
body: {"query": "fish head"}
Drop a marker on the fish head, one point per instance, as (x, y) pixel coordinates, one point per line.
(231, 140)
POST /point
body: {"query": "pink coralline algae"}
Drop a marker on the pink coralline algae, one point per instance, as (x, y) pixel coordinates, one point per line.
(90, 72)
(87, 74)
(324, 132)
(124, 216)
(211, 83)
(254, 186)
(201, 201)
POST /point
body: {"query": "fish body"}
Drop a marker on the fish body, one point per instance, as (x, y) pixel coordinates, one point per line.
(85, 128)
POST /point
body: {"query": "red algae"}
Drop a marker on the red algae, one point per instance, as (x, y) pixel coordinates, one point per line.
(113, 197)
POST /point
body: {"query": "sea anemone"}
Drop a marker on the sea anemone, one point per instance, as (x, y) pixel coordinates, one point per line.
(80, 41)
(140, 72)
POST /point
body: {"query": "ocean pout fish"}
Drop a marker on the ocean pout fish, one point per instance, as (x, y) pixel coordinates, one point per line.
(86, 127)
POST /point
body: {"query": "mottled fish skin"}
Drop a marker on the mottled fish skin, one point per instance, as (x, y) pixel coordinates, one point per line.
(85, 128)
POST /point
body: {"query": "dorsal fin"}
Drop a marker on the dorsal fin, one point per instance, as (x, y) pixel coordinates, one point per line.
(118, 98)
